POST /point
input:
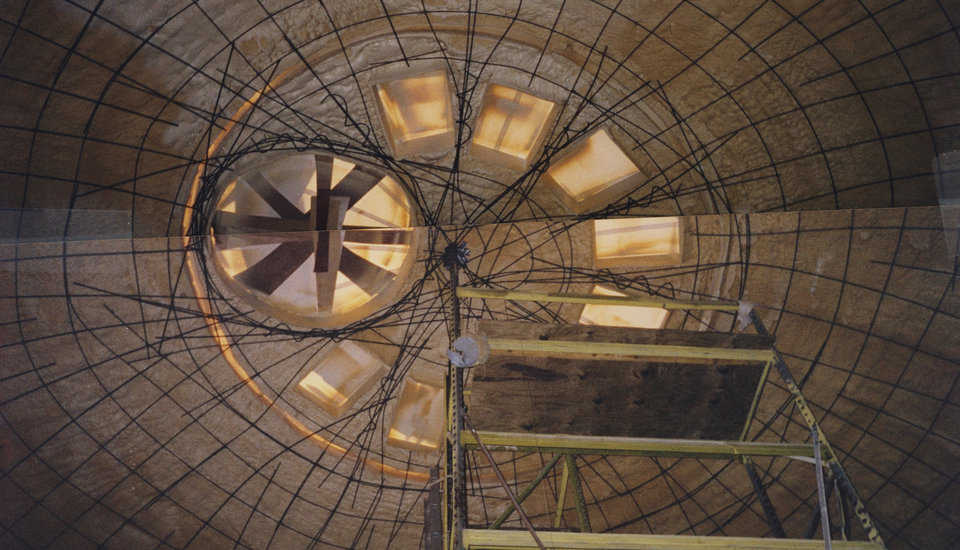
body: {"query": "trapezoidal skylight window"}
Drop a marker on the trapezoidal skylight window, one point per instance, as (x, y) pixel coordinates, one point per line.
(621, 316)
(511, 126)
(417, 418)
(417, 113)
(593, 172)
(626, 242)
(314, 240)
(344, 374)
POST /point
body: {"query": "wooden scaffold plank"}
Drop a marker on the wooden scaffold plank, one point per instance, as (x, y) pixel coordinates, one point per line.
(652, 301)
(639, 446)
(487, 539)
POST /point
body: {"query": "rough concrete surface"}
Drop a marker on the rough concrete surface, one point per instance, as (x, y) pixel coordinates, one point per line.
(800, 140)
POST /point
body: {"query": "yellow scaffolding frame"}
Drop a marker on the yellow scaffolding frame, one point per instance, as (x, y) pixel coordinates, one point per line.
(517, 295)
(571, 445)
(637, 446)
(614, 351)
(488, 539)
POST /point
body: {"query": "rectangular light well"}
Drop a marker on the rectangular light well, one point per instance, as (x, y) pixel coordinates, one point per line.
(622, 316)
(344, 374)
(624, 242)
(417, 113)
(418, 418)
(593, 172)
(511, 126)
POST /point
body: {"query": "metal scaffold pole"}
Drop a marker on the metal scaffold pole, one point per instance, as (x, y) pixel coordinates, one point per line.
(662, 346)
(454, 256)
(835, 468)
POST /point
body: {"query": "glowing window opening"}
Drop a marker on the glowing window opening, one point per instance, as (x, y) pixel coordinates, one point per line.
(511, 123)
(383, 206)
(638, 241)
(418, 417)
(342, 376)
(388, 256)
(271, 249)
(622, 316)
(593, 165)
(417, 113)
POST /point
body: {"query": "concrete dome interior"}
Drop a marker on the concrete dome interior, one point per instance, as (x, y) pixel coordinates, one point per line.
(804, 153)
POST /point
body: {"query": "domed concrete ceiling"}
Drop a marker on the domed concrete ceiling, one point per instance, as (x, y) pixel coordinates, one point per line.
(203, 345)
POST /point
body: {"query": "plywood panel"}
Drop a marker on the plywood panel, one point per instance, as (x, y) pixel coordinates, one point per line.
(629, 399)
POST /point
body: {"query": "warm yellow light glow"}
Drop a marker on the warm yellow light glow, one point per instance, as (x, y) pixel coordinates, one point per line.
(226, 196)
(415, 109)
(295, 178)
(344, 374)
(317, 387)
(241, 198)
(236, 260)
(304, 291)
(383, 206)
(418, 417)
(218, 333)
(396, 437)
(348, 295)
(594, 164)
(340, 170)
(644, 241)
(387, 256)
(621, 316)
(299, 290)
(511, 121)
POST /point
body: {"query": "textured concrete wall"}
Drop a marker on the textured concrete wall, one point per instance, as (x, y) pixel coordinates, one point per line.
(783, 130)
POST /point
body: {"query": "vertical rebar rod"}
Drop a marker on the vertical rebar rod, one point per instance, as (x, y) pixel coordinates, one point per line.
(844, 511)
(821, 490)
(452, 258)
(836, 469)
(771, 514)
(815, 518)
(432, 523)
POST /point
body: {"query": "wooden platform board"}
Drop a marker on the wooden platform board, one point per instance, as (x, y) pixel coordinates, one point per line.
(629, 399)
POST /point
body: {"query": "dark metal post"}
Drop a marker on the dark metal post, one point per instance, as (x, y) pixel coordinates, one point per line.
(454, 256)
(844, 512)
(432, 519)
(815, 519)
(821, 491)
(836, 470)
(771, 514)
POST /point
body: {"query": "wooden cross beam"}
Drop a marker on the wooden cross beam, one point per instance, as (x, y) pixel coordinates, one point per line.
(320, 231)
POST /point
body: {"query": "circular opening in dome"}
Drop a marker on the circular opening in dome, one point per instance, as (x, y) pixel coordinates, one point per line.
(314, 240)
